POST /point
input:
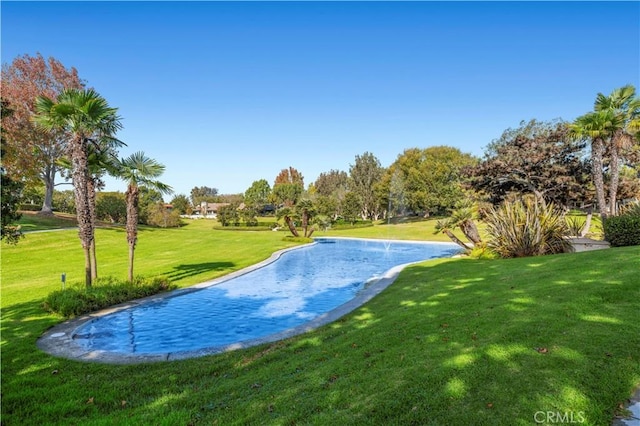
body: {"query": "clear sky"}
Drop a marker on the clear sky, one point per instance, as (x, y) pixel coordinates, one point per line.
(227, 93)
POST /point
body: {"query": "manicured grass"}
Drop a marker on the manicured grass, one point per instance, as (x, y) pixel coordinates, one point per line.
(31, 221)
(453, 342)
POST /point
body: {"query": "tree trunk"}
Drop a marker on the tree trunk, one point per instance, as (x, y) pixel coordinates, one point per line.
(132, 224)
(80, 175)
(456, 239)
(292, 228)
(614, 169)
(597, 153)
(470, 230)
(48, 177)
(92, 207)
(587, 223)
(131, 253)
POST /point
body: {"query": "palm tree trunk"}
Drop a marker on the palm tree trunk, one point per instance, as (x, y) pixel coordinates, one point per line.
(470, 231)
(597, 153)
(92, 207)
(614, 168)
(80, 175)
(456, 239)
(132, 224)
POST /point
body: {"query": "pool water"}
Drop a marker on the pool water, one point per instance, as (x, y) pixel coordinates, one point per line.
(299, 286)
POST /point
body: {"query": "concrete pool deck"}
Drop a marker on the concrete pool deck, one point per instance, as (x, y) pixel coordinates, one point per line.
(59, 340)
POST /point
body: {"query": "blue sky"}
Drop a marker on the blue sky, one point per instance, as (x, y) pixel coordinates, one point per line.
(227, 93)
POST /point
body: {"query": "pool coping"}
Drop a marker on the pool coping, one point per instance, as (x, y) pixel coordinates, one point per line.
(59, 340)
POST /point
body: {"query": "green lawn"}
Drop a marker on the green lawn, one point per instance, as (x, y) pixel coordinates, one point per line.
(451, 342)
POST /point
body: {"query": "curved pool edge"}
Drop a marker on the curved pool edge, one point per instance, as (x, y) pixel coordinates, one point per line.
(58, 340)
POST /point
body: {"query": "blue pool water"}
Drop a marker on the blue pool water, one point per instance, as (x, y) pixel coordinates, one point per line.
(301, 285)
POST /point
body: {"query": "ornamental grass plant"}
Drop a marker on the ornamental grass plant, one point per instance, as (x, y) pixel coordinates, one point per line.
(528, 227)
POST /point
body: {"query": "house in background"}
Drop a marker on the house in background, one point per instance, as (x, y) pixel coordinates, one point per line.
(207, 210)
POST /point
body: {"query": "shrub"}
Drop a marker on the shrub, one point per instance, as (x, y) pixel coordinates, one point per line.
(623, 230)
(79, 299)
(529, 228)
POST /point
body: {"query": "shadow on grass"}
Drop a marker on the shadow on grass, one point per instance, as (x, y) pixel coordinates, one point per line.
(188, 270)
(450, 342)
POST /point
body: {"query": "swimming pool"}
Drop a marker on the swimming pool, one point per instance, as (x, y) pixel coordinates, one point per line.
(278, 298)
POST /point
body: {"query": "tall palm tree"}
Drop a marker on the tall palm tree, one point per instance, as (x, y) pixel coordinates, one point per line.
(138, 171)
(85, 117)
(624, 104)
(597, 126)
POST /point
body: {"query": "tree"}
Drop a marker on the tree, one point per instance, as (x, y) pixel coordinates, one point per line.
(426, 181)
(363, 176)
(597, 127)
(332, 182)
(258, 193)
(351, 207)
(111, 206)
(463, 216)
(181, 204)
(625, 106)
(288, 187)
(203, 193)
(537, 158)
(138, 171)
(228, 215)
(163, 217)
(85, 117)
(11, 193)
(32, 153)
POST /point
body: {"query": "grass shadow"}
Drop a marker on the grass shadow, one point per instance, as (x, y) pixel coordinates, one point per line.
(189, 270)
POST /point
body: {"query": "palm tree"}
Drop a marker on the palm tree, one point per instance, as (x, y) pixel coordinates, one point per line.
(86, 118)
(463, 216)
(138, 171)
(598, 126)
(624, 104)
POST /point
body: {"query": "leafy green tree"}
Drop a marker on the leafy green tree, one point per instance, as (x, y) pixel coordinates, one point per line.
(63, 201)
(85, 117)
(331, 183)
(351, 207)
(203, 193)
(161, 216)
(111, 206)
(427, 181)
(249, 215)
(537, 158)
(258, 194)
(181, 204)
(364, 174)
(228, 215)
(137, 171)
(11, 192)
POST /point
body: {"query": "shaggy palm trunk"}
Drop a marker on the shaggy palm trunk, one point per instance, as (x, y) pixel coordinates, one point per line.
(132, 224)
(470, 230)
(91, 184)
(80, 176)
(614, 169)
(292, 228)
(456, 239)
(597, 153)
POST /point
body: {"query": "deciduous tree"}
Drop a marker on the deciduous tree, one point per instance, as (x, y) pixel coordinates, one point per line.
(32, 152)
(364, 174)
